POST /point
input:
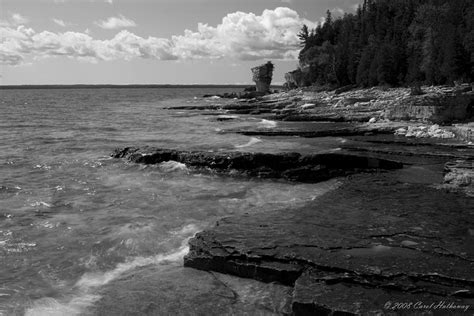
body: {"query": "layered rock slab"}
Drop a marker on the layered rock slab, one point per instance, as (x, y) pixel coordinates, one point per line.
(373, 240)
(289, 166)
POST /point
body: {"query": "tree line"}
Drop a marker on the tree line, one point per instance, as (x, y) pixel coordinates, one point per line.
(391, 42)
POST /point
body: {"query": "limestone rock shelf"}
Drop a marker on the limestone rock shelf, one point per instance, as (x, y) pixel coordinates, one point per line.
(289, 166)
(373, 240)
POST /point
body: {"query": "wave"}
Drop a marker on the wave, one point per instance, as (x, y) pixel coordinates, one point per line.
(85, 286)
(41, 203)
(252, 141)
(171, 166)
(267, 124)
(51, 307)
(7, 189)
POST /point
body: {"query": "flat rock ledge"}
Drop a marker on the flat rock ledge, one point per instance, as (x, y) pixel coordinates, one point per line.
(440, 104)
(288, 166)
(374, 246)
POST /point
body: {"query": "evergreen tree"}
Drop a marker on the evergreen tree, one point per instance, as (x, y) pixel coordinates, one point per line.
(392, 42)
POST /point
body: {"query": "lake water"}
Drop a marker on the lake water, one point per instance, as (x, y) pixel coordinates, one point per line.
(73, 221)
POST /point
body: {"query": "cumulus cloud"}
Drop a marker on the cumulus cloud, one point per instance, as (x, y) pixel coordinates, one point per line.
(116, 23)
(243, 36)
(15, 43)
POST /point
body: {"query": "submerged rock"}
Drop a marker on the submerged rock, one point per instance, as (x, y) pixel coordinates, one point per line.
(289, 166)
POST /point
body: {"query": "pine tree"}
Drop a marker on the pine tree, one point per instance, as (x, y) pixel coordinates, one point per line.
(392, 42)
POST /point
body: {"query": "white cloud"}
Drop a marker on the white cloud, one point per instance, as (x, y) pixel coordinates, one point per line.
(110, 1)
(19, 19)
(116, 23)
(243, 36)
(14, 19)
(60, 22)
(337, 10)
(22, 41)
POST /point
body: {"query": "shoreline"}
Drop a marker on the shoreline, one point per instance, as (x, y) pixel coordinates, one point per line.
(387, 234)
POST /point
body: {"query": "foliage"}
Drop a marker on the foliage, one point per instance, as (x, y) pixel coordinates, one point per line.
(392, 42)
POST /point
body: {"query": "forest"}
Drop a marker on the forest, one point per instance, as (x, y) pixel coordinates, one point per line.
(392, 43)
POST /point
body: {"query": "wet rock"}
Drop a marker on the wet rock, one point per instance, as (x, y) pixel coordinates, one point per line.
(324, 131)
(371, 241)
(226, 117)
(289, 166)
(174, 290)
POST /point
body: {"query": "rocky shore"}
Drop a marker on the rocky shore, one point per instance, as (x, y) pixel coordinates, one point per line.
(289, 166)
(354, 249)
(398, 230)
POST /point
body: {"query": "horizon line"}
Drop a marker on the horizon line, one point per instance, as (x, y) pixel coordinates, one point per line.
(131, 85)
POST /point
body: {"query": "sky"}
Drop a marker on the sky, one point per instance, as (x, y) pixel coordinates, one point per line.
(153, 41)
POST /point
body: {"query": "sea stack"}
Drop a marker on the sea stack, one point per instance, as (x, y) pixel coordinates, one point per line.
(262, 76)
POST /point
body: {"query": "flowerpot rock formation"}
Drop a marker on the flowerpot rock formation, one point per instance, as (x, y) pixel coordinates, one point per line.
(262, 76)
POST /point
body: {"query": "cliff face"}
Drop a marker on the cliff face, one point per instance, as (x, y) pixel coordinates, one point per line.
(294, 79)
(440, 106)
(262, 76)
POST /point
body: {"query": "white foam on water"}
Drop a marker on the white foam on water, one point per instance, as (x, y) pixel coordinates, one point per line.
(170, 166)
(267, 124)
(41, 203)
(85, 296)
(50, 307)
(93, 280)
(252, 141)
(228, 116)
(186, 230)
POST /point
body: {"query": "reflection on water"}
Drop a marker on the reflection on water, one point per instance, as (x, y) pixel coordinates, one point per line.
(74, 223)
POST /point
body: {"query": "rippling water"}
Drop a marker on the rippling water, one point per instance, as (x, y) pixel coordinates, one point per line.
(73, 221)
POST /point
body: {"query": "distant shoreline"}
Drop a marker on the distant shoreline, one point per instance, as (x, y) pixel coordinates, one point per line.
(124, 86)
